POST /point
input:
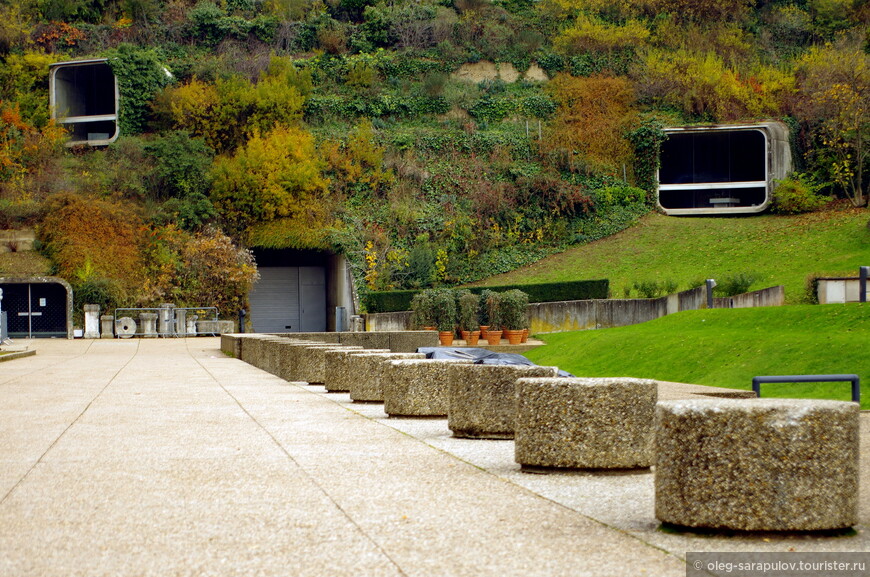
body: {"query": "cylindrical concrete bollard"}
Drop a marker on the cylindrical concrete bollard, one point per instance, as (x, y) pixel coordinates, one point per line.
(482, 398)
(338, 377)
(585, 423)
(757, 464)
(367, 371)
(417, 387)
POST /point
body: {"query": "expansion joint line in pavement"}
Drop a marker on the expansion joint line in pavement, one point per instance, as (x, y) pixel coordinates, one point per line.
(74, 421)
(281, 448)
(503, 479)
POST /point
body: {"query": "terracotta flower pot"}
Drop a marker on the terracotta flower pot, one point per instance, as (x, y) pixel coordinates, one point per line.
(430, 328)
(493, 337)
(525, 336)
(472, 339)
(464, 335)
(445, 338)
(514, 337)
(483, 330)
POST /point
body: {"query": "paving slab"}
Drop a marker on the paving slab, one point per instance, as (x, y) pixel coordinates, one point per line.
(166, 457)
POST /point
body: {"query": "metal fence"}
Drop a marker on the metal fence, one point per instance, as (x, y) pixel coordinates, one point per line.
(165, 322)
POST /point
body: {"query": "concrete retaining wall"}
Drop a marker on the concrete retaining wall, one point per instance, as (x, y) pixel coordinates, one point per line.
(378, 322)
(591, 314)
(769, 297)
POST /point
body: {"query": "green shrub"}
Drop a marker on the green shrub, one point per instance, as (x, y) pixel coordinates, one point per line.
(650, 289)
(796, 194)
(513, 307)
(647, 289)
(469, 311)
(444, 309)
(423, 311)
(96, 291)
(182, 164)
(735, 284)
(491, 306)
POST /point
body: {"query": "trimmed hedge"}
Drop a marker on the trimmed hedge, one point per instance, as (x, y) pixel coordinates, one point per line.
(388, 301)
(578, 290)
(393, 301)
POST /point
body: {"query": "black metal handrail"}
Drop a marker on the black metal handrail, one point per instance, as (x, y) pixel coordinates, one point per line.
(856, 382)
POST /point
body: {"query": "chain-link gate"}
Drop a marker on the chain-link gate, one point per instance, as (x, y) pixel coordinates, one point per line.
(35, 309)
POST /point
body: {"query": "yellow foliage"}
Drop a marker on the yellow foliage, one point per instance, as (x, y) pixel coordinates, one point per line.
(701, 84)
(727, 39)
(276, 175)
(24, 149)
(23, 80)
(702, 10)
(232, 109)
(592, 115)
(91, 238)
(592, 34)
(615, 9)
(835, 91)
(358, 161)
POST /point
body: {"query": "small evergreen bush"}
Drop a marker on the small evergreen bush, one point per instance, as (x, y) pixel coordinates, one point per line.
(796, 194)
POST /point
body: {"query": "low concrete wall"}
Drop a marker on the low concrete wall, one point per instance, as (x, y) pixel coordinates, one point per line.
(769, 297)
(597, 314)
(395, 341)
(379, 322)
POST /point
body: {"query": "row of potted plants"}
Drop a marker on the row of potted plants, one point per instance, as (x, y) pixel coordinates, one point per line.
(487, 315)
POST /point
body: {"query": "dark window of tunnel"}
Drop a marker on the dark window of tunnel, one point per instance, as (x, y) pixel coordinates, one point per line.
(85, 90)
(713, 156)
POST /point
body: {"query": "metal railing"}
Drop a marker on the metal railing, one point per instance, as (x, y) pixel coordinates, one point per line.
(166, 323)
(856, 382)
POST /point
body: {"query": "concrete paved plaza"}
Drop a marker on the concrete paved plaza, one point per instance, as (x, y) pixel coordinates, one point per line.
(164, 457)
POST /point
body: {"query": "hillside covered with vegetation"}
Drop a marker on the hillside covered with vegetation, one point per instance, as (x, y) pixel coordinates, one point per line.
(661, 254)
(432, 141)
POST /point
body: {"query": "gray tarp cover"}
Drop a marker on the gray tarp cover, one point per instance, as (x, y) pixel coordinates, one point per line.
(480, 357)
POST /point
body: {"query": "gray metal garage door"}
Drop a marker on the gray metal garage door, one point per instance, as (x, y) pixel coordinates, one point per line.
(289, 299)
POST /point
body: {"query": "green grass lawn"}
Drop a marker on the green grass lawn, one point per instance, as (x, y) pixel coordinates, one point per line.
(727, 348)
(778, 249)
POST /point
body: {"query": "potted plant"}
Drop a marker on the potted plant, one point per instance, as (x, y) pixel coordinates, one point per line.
(484, 312)
(492, 305)
(423, 311)
(444, 315)
(513, 314)
(469, 305)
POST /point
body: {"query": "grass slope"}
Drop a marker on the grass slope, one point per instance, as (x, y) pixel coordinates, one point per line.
(778, 249)
(726, 348)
